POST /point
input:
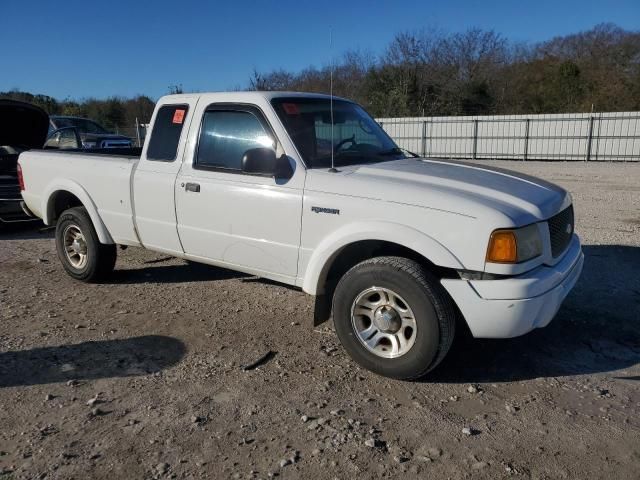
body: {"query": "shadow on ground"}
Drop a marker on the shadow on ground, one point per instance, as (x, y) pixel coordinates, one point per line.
(597, 330)
(182, 273)
(90, 360)
(25, 231)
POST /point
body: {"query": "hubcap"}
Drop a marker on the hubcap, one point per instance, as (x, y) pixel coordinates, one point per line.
(75, 246)
(386, 319)
(384, 323)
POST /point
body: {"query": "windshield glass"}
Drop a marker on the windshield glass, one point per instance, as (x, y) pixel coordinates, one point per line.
(357, 138)
(82, 124)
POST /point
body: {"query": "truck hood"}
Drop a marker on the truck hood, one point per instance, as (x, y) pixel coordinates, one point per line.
(22, 125)
(457, 187)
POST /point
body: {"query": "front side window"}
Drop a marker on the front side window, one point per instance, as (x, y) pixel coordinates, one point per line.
(356, 137)
(225, 137)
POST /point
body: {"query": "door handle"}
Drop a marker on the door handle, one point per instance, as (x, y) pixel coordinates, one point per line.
(192, 187)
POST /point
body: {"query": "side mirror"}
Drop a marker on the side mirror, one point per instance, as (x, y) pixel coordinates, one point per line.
(260, 161)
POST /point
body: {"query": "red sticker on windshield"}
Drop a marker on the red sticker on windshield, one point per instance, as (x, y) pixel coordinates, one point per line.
(178, 116)
(291, 108)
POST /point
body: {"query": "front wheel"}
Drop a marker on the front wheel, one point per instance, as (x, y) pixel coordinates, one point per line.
(79, 249)
(393, 317)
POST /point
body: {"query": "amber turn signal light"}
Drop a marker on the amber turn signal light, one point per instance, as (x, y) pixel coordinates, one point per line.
(502, 247)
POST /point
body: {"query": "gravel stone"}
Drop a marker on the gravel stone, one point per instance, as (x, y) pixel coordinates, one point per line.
(371, 442)
(434, 452)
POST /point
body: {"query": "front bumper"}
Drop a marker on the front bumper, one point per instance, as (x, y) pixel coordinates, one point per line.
(516, 305)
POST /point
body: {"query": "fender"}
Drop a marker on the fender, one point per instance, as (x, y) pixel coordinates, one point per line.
(70, 186)
(324, 254)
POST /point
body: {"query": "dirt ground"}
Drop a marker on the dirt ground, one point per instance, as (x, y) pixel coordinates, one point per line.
(142, 377)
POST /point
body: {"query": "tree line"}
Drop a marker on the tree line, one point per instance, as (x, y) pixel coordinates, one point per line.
(434, 73)
(480, 72)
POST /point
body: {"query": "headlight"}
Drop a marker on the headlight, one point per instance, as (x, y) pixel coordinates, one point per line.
(514, 245)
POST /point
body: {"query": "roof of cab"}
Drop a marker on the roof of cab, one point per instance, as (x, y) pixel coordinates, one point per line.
(245, 96)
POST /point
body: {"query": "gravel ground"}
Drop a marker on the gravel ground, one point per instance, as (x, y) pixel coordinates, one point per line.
(142, 377)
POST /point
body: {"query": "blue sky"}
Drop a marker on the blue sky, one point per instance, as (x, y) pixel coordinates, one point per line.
(80, 49)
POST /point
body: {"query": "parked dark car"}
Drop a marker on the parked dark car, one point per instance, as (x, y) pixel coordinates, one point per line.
(22, 127)
(90, 134)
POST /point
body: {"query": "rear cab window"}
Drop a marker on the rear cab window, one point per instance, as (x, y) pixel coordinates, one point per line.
(167, 129)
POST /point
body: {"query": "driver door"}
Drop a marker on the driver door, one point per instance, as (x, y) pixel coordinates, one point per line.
(229, 218)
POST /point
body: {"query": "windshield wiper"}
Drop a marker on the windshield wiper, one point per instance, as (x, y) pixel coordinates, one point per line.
(414, 155)
(395, 151)
(391, 151)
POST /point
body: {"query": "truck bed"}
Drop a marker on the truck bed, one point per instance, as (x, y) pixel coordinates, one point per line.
(109, 192)
(133, 152)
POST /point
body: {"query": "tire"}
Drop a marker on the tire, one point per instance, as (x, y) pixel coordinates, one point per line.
(420, 343)
(98, 259)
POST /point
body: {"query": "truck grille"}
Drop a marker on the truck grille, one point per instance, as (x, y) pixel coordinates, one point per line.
(561, 230)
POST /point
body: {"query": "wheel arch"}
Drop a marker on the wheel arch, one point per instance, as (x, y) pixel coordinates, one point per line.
(66, 194)
(347, 247)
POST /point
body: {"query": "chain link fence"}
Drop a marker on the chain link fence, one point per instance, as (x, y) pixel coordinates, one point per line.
(586, 137)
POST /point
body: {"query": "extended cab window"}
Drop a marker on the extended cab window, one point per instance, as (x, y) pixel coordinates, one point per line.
(225, 137)
(165, 136)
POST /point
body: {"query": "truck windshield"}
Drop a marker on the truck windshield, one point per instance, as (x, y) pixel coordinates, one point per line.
(357, 138)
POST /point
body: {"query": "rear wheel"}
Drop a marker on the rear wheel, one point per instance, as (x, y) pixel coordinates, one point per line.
(79, 249)
(393, 317)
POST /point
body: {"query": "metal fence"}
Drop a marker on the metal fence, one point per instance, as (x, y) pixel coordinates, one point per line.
(587, 137)
(137, 133)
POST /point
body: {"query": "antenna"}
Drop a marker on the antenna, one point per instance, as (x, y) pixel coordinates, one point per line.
(332, 169)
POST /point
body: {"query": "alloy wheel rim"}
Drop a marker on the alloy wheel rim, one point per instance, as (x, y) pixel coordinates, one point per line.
(383, 322)
(75, 246)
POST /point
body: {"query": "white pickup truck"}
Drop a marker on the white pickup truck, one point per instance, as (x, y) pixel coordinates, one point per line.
(311, 192)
